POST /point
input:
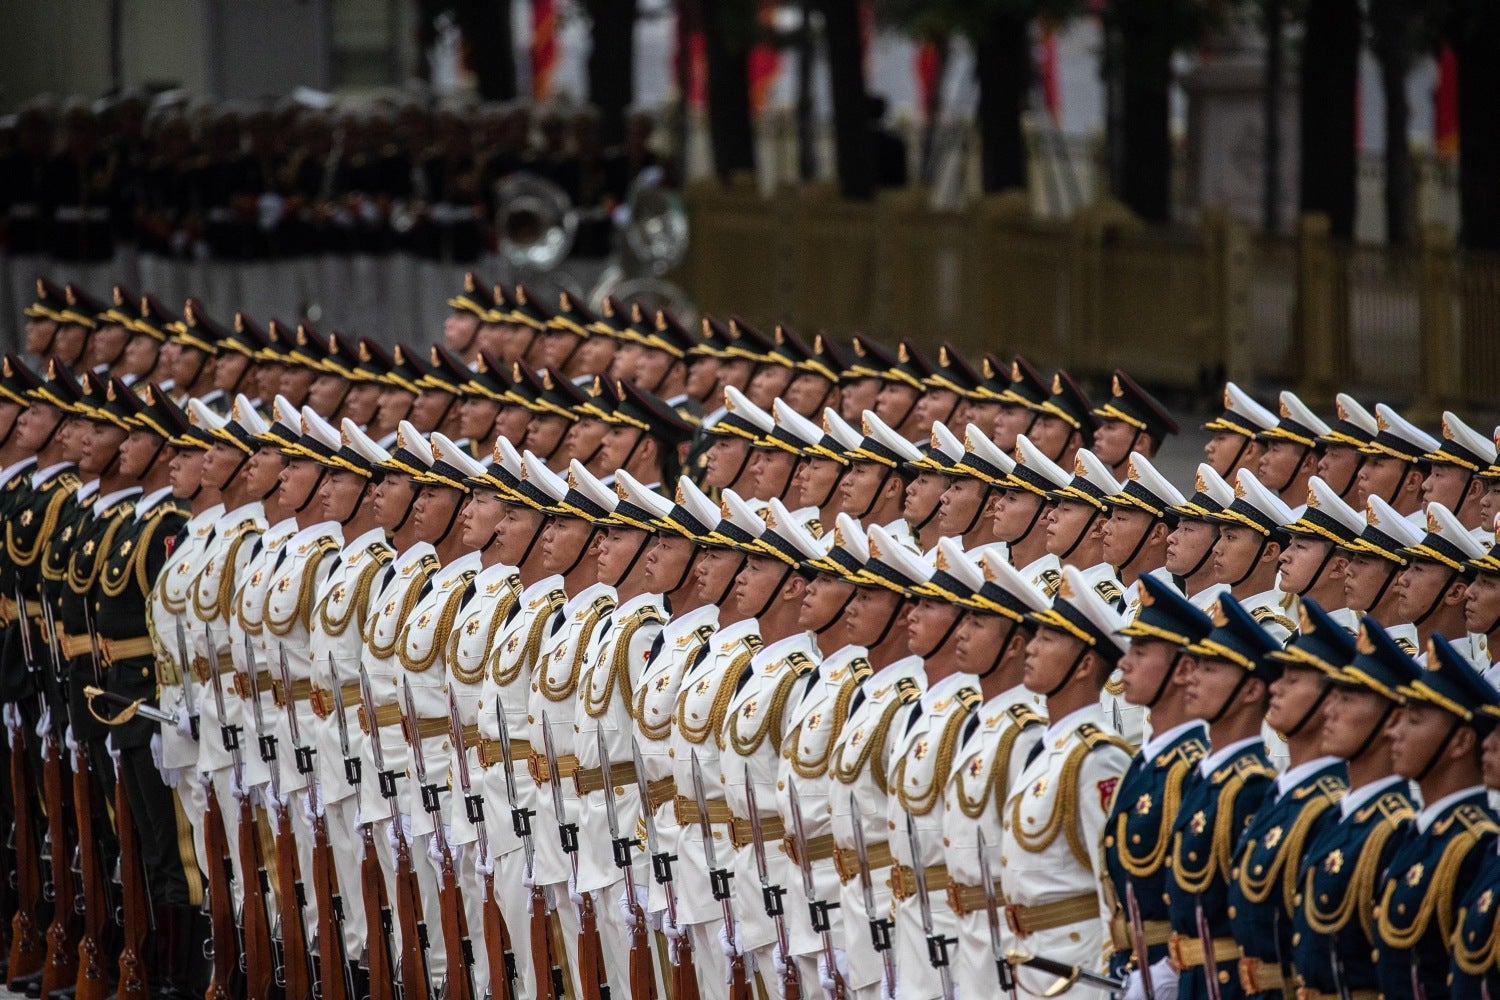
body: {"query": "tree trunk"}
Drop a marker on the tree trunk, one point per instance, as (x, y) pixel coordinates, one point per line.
(1146, 42)
(1478, 50)
(491, 49)
(1002, 59)
(612, 64)
(851, 105)
(1391, 27)
(1329, 75)
(728, 26)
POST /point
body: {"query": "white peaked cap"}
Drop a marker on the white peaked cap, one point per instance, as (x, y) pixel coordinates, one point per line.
(1035, 471)
(589, 486)
(631, 491)
(738, 403)
(322, 431)
(983, 457)
(1327, 516)
(451, 453)
(889, 447)
(840, 429)
(546, 480)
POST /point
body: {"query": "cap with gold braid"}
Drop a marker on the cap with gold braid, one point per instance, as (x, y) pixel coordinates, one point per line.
(797, 433)
(1237, 638)
(667, 334)
(1463, 447)
(882, 445)
(613, 319)
(892, 565)
(943, 453)
(1320, 643)
(406, 370)
(574, 317)
(153, 319)
(1449, 681)
(246, 338)
(309, 348)
(953, 372)
(714, 339)
(475, 298)
(1386, 533)
(847, 550)
(1092, 482)
(1129, 403)
(196, 329)
(452, 466)
(1297, 423)
(279, 342)
(82, 308)
(1211, 495)
(825, 357)
(1166, 615)
(1328, 517)
(374, 361)
(1035, 472)
(446, 373)
(639, 506)
(1068, 403)
(984, 460)
(244, 428)
(1398, 437)
(155, 412)
(412, 455)
(1379, 664)
(1255, 507)
(320, 442)
(746, 342)
(742, 418)
(282, 432)
(1146, 489)
(693, 514)
(911, 368)
(956, 575)
(1447, 542)
(587, 497)
(871, 358)
(1005, 591)
(787, 536)
(1082, 613)
(124, 305)
(490, 378)
(1026, 387)
(49, 303)
(527, 311)
(1353, 425)
(342, 357)
(58, 389)
(17, 381)
(1242, 415)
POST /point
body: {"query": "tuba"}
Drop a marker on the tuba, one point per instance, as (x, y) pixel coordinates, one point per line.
(536, 223)
(652, 239)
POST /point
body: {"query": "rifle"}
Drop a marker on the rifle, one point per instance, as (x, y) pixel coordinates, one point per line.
(817, 909)
(351, 762)
(27, 949)
(771, 895)
(1210, 963)
(642, 973)
(378, 947)
(220, 900)
(880, 927)
(549, 979)
(937, 944)
(1003, 971)
(93, 981)
(295, 961)
(415, 981)
(502, 961)
(718, 879)
(1138, 941)
(329, 985)
(684, 975)
(133, 985)
(60, 967)
(188, 698)
(590, 950)
(456, 944)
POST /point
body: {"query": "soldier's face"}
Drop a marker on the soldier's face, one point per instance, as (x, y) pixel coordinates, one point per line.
(726, 460)
(1489, 503)
(1016, 513)
(479, 518)
(138, 451)
(1424, 587)
(511, 424)
(1300, 560)
(1051, 656)
(340, 493)
(392, 498)
(1491, 759)
(1227, 451)
(362, 401)
(1418, 734)
(931, 626)
(458, 331)
(267, 378)
(1113, 442)
(296, 384)
(816, 481)
(1293, 695)
(67, 346)
(1011, 422)
(715, 572)
(824, 600)
(862, 482)
(35, 425)
(702, 378)
(870, 613)
(326, 395)
(476, 417)
(627, 357)
(494, 338)
(982, 413)
(618, 548)
(39, 334)
(652, 368)
(760, 583)
(666, 561)
(544, 435)
(1447, 485)
(960, 505)
(218, 464)
(187, 365)
(519, 528)
(895, 404)
(107, 344)
(935, 405)
(71, 435)
(1364, 579)
(185, 472)
(594, 355)
(395, 405)
(558, 348)
(735, 372)
(1236, 553)
(10, 412)
(434, 510)
(1280, 463)
(615, 446)
(1122, 532)
(980, 640)
(229, 368)
(771, 471)
(1210, 687)
(769, 382)
(140, 355)
(922, 496)
(1482, 604)
(1380, 476)
(298, 479)
(1051, 435)
(1337, 467)
(100, 446)
(564, 540)
(808, 393)
(1145, 665)
(430, 410)
(1067, 524)
(1350, 715)
(858, 396)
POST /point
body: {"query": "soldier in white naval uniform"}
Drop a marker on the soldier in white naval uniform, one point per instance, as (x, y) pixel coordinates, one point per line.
(1021, 517)
(993, 746)
(859, 761)
(1190, 546)
(334, 647)
(1316, 560)
(1054, 819)
(421, 649)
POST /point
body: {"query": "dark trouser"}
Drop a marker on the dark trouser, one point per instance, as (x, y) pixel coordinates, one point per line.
(154, 808)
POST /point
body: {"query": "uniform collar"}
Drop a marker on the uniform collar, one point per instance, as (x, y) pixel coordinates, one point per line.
(690, 621)
(198, 521)
(110, 499)
(1068, 724)
(1222, 755)
(254, 510)
(150, 501)
(40, 476)
(86, 490)
(637, 603)
(1159, 742)
(1356, 797)
(1294, 776)
(784, 647)
(1430, 814)
(545, 585)
(907, 666)
(16, 468)
(364, 541)
(323, 529)
(587, 596)
(454, 570)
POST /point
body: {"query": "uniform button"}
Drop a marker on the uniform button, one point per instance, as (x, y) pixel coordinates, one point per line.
(891, 825)
(1109, 842)
(1297, 938)
(1231, 913)
(1004, 860)
(1074, 936)
(1223, 976)
(947, 842)
(781, 786)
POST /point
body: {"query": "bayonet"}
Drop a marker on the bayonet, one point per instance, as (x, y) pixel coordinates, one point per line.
(1336, 964)
(430, 801)
(567, 833)
(1138, 941)
(229, 734)
(351, 762)
(880, 927)
(623, 846)
(661, 861)
(1003, 970)
(937, 944)
(302, 754)
(520, 817)
(771, 895)
(817, 909)
(386, 777)
(266, 740)
(718, 878)
(183, 667)
(473, 803)
(26, 651)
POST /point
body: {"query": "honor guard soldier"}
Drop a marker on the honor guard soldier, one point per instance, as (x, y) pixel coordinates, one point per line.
(1020, 388)
(1252, 535)
(1262, 879)
(1475, 973)
(1436, 741)
(1236, 443)
(1315, 562)
(860, 761)
(990, 644)
(1022, 520)
(1432, 586)
(1190, 547)
(1064, 423)
(1454, 480)
(1054, 818)
(931, 475)
(880, 467)
(1396, 464)
(820, 464)
(1138, 830)
(1344, 864)
(1132, 420)
(1228, 690)
(196, 339)
(1353, 428)
(1291, 451)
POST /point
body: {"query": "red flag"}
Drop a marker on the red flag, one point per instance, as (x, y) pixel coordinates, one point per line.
(1047, 69)
(927, 68)
(1445, 111)
(543, 47)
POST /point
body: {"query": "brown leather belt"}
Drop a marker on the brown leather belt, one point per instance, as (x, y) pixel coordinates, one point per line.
(490, 754)
(688, 815)
(1187, 952)
(1027, 920)
(904, 880)
(324, 704)
(242, 682)
(848, 862)
(1257, 976)
(112, 651)
(661, 791)
(1157, 932)
(200, 665)
(301, 691)
(385, 717)
(536, 763)
(818, 848)
(741, 834)
(591, 779)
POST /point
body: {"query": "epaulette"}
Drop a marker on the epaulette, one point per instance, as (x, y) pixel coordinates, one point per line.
(1023, 715)
(240, 529)
(430, 563)
(68, 480)
(1189, 752)
(969, 698)
(908, 691)
(1331, 787)
(327, 545)
(800, 662)
(1264, 614)
(381, 552)
(1394, 807)
(1093, 737)
(1245, 767)
(1473, 818)
(603, 604)
(861, 668)
(650, 613)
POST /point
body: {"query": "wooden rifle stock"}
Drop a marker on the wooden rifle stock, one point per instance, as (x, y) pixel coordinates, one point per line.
(497, 944)
(791, 983)
(220, 900)
(255, 924)
(409, 912)
(133, 985)
(378, 921)
(684, 974)
(27, 949)
(642, 972)
(61, 965)
(93, 981)
(542, 961)
(739, 982)
(294, 954)
(330, 927)
(590, 951)
(456, 942)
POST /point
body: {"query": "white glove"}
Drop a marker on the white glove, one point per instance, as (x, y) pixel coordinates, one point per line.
(731, 953)
(11, 713)
(156, 754)
(573, 893)
(484, 867)
(184, 722)
(673, 932)
(45, 722)
(435, 846)
(840, 966)
(68, 740)
(778, 960)
(1163, 982)
(728, 948)
(629, 908)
